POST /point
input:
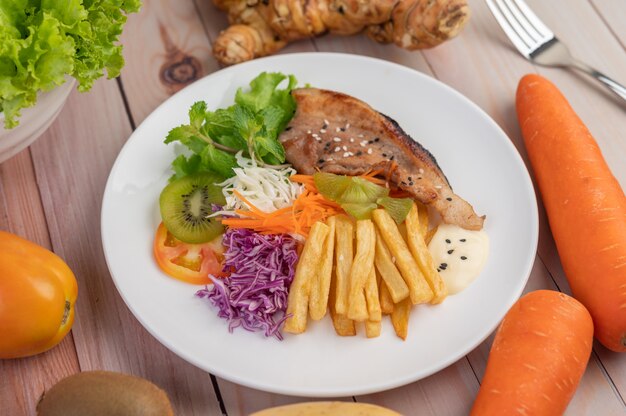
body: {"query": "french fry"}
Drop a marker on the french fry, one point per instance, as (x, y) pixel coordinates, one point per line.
(357, 308)
(386, 302)
(419, 291)
(430, 234)
(344, 327)
(400, 318)
(371, 298)
(362, 264)
(423, 257)
(344, 254)
(422, 210)
(298, 300)
(384, 263)
(372, 328)
(320, 286)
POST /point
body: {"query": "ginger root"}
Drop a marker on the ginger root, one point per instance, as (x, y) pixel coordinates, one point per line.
(262, 27)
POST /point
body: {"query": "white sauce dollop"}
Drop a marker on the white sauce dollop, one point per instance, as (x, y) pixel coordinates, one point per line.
(459, 255)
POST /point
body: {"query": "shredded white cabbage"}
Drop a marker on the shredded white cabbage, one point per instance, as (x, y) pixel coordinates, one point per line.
(266, 188)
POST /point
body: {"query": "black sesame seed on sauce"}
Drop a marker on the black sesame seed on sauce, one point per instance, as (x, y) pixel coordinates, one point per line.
(450, 251)
(325, 126)
(462, 240)
(359, 153)
(448, 240)
(320, 161)
(392, 157)
(384, 154)
(288, 128)
(448, 199)
(377, 139)
(463, 258)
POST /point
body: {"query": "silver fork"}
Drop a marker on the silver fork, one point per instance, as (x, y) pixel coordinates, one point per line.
(538, 44)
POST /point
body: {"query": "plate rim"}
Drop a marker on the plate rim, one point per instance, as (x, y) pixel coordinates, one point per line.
(371, 387)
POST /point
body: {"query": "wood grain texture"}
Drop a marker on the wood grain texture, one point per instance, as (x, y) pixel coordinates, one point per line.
(613, 14)
(241, 401)
(603, 113)
(22, 381)
(449, 392)
(166, 49)
(71, 170)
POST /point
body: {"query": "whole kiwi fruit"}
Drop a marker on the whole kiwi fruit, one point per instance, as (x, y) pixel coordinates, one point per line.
(104, 393)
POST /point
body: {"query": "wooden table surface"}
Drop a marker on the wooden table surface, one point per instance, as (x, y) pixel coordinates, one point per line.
(51, 194)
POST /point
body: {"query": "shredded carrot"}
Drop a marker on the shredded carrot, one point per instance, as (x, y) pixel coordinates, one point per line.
(307, 209)
(310, 207)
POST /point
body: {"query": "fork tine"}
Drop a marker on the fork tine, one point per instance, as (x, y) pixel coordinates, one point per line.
(534, 21)
(523, 47)
(521, 31)
(517, 14)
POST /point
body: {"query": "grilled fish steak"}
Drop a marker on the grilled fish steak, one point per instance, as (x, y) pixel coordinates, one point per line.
(337, 133)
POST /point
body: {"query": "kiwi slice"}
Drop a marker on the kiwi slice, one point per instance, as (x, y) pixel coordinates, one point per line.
(331, 185)
(360, 211)
(398, 208)
(186, 204)
(362, 191)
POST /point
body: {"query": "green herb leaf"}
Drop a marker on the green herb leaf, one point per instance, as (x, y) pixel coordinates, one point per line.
(184, 166)
(180, 133)
(218, 161)
(251, 125)
(266, 145)
(197, 113)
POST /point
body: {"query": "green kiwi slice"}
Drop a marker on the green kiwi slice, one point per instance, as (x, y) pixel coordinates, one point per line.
(186, 204)
(398, 208)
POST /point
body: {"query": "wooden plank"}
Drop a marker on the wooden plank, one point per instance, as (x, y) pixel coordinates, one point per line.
(178, 52)
(601, 110)
(449, 392)
(23, 381)
(241, 401)
(362, 45)
(72, 162)
(613, 13)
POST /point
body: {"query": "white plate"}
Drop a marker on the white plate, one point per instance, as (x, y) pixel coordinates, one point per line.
(478, 159)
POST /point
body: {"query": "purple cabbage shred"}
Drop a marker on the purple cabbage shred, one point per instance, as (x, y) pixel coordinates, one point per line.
(261, 269)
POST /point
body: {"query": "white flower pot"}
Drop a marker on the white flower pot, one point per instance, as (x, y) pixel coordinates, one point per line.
(34, 120)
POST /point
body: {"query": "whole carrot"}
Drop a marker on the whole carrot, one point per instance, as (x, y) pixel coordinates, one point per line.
(537, 358)
(585, 204)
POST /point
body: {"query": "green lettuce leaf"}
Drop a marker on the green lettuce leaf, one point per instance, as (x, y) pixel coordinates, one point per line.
(44, 41)
(251, 125)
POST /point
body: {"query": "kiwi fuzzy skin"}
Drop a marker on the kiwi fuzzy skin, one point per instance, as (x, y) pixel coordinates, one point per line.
(104, 393)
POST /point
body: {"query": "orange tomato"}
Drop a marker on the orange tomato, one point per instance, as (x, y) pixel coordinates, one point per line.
(191, 263)
(37, 296)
